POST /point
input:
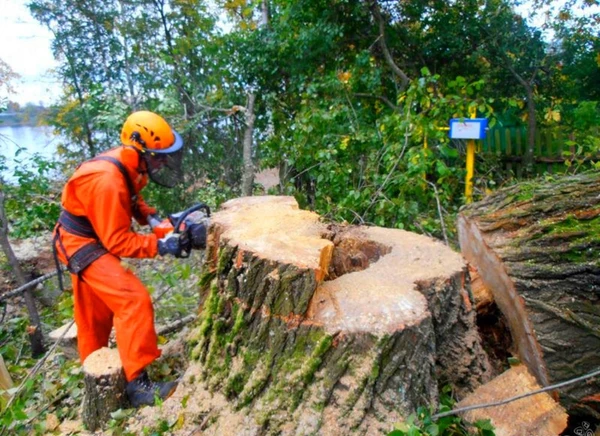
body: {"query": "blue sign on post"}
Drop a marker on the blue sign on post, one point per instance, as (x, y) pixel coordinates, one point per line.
(468, 128)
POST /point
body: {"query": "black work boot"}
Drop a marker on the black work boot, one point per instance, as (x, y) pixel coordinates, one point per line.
(143, 392)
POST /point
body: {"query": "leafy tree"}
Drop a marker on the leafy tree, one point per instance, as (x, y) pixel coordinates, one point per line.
(520, 52)
(344, 94)
(7, 75)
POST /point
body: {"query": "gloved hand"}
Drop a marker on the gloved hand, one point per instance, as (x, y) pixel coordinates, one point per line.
(175, 244)
(153, 220)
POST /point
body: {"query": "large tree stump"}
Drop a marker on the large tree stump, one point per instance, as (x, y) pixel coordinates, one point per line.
(105, 384)
(536, 247)
(327, 328)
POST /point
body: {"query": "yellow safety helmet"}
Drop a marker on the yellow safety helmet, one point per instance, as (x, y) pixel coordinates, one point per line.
(160, 146)
(146, 130)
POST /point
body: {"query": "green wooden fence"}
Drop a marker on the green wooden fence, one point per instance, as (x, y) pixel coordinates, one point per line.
(509, 145)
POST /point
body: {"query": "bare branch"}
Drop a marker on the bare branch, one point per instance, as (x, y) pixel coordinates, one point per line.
(439, 208)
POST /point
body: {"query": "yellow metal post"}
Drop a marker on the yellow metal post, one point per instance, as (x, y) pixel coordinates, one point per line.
(470, 170)
(470, 164)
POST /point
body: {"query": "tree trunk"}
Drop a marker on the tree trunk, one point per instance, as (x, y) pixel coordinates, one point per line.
(105, 384)
(35, 331)
(531, 128)
(536, 248)
(331, 329)
(248, 174)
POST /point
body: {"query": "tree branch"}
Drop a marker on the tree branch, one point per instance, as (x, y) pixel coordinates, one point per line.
(386, 53)
(381, 98)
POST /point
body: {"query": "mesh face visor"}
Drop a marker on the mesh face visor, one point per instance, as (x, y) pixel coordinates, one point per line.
(164, 166)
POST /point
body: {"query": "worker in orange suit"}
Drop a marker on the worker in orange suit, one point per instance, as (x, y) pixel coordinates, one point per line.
(94, 232)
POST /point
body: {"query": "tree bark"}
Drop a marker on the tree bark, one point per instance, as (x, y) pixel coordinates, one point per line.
(36, 338)
(105, 384)
(331, 329)
(248, 174)
(535, 246)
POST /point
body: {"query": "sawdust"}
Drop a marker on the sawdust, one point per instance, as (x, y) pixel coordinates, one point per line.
(192, 409)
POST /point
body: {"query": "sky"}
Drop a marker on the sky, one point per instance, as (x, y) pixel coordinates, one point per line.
(25, 47)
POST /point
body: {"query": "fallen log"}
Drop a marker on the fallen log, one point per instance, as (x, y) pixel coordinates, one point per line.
(105, 382)
(536, 246)
(331, 328)
(66, 336)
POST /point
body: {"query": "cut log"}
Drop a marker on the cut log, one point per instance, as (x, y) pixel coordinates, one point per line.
(105, 384)
(537, 248)
(537, 415)
(67, 334)
(329, 329)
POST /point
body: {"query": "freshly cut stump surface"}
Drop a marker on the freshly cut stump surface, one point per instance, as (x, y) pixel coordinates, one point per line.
(105, 383)
(329, 329)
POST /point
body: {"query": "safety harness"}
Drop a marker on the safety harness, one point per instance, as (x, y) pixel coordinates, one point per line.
(81, 226)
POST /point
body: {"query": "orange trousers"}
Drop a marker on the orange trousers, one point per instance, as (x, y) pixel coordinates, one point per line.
(106, 293)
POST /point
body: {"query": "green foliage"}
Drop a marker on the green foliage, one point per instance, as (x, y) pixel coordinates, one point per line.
(331, 109)
(380, 174)
(33, 199)
(167, 201)
(57, 390)
(422, 423)
(585, 141)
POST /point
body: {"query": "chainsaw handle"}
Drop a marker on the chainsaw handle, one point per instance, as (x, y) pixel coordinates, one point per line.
(188, 211)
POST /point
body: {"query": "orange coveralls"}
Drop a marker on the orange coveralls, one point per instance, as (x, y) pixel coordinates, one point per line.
(106, 293)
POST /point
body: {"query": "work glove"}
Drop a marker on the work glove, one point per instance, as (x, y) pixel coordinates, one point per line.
(176, 244)
(153, 220)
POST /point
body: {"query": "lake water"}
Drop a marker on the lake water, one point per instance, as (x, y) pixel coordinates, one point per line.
(30, 140)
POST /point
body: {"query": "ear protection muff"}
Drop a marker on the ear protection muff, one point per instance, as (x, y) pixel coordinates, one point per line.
(135, 136)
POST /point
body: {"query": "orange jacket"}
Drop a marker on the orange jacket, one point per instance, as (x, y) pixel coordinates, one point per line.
(98, 191)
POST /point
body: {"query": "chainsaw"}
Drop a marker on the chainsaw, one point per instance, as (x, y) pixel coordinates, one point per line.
(192, 223)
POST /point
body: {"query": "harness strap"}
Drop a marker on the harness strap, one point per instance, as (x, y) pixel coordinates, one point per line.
(83, 257)
(80, 260)
(56, 240)
(77, 225)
